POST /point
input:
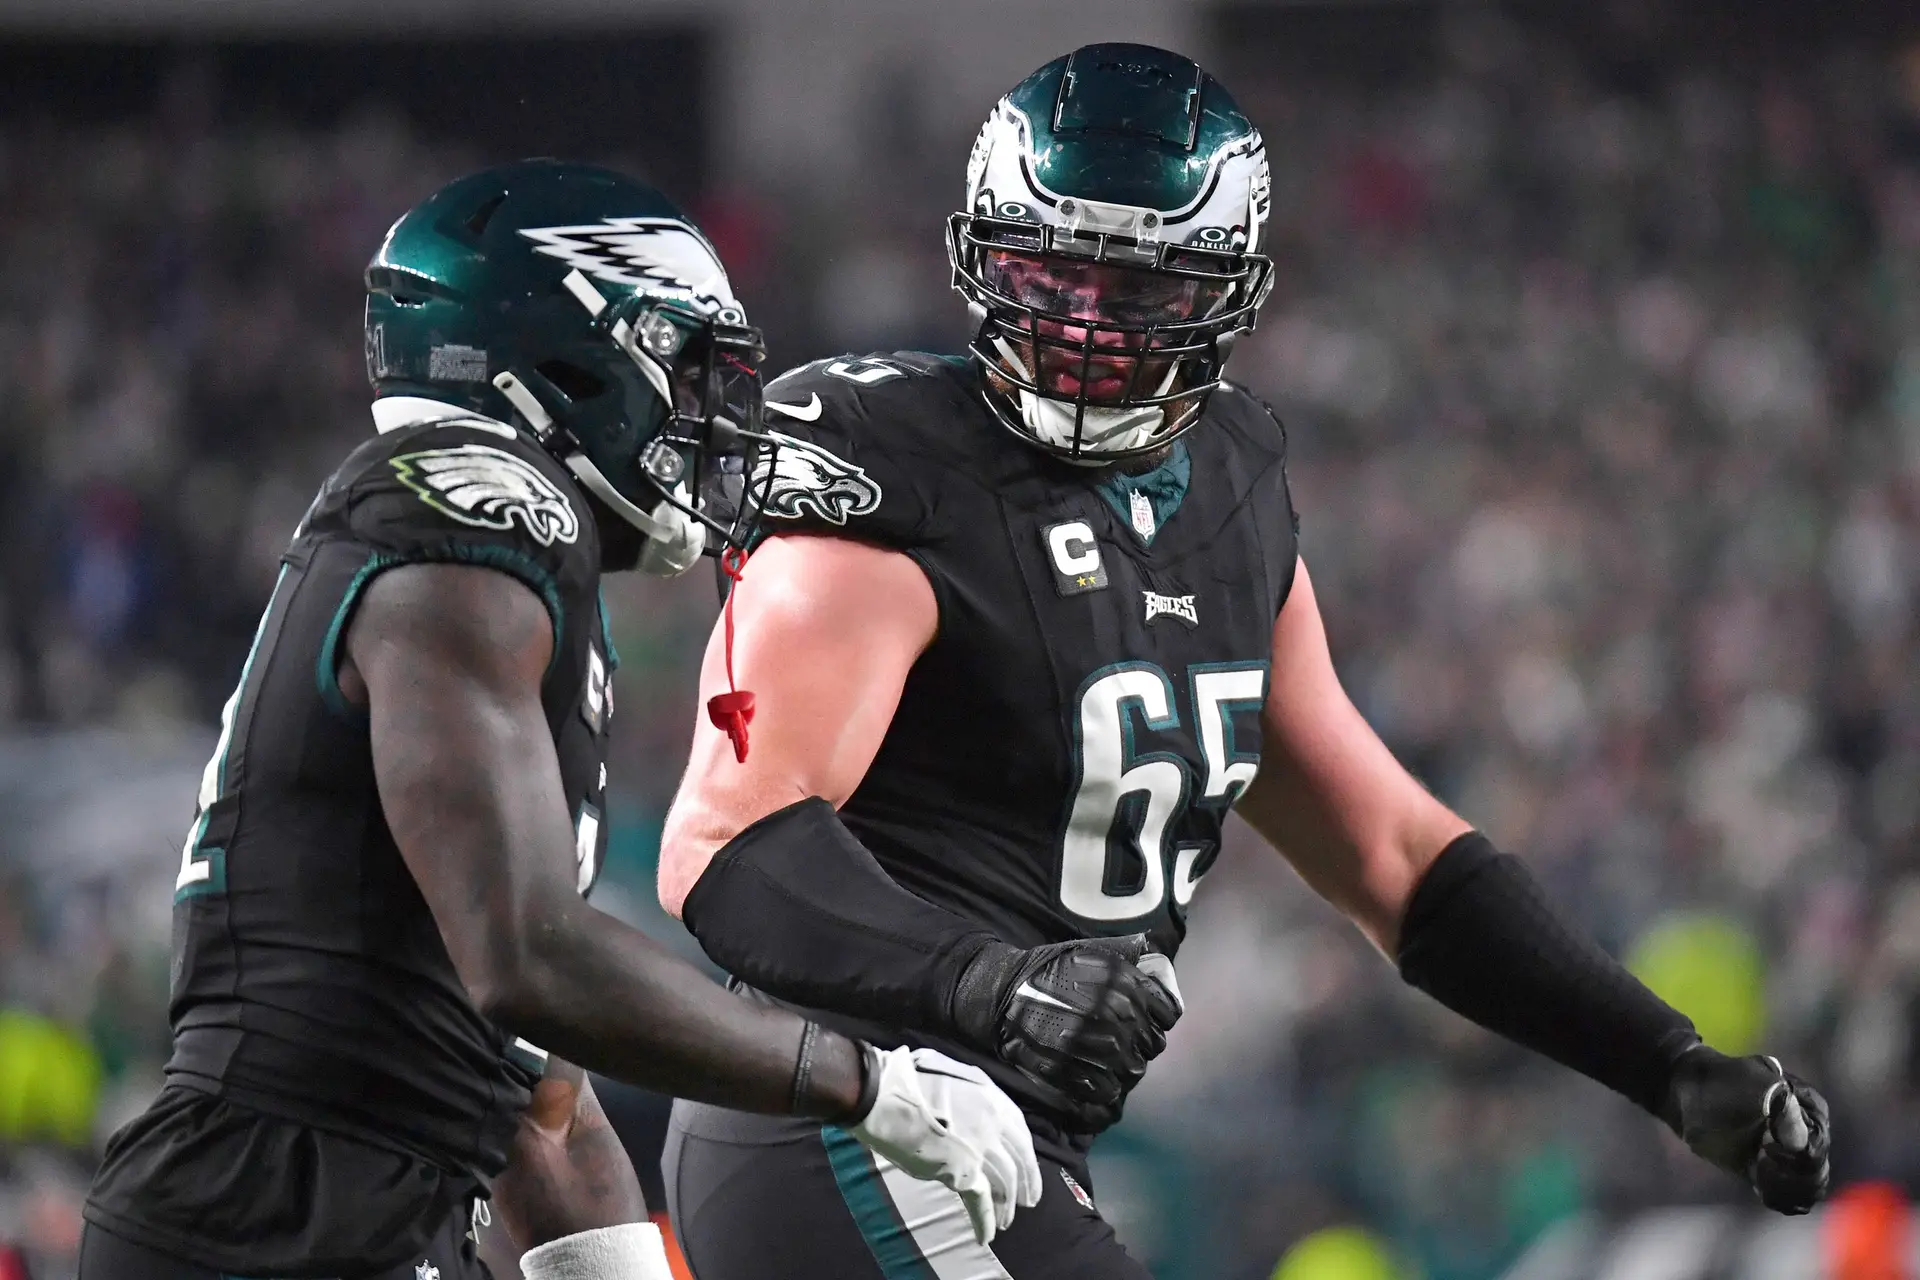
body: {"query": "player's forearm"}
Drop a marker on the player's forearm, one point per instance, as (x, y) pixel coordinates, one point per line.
(798, 907)
(605, 996)
(1481, 938)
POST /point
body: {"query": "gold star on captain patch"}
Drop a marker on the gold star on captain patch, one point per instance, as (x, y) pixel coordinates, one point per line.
(1083, 581)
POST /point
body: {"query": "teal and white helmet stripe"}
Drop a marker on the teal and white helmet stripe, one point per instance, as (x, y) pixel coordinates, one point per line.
(1224, 206)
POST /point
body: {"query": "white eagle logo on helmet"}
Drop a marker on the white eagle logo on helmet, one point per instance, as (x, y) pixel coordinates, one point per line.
(1229, 212)
(489, 488)
(800, 477)
(656, 255)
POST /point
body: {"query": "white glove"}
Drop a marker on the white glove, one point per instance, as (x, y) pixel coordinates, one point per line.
(945, 1120)
(629, 1252)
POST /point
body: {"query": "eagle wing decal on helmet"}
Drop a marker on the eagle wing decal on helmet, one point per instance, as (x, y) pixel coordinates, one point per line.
(489, 488)
(661, 255)
(799, 477)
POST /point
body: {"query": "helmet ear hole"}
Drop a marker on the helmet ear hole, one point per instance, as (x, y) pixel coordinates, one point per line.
(570, 380)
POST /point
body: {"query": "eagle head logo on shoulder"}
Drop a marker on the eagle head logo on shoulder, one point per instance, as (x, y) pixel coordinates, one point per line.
(489, 488)
(799, 478)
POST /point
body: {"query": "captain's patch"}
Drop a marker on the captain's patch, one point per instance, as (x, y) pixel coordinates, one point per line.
(489, 488)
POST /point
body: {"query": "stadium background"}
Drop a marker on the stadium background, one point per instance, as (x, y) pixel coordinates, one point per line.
(1598, 336)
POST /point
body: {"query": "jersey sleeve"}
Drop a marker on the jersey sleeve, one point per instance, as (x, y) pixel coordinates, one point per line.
(846, 463)
(1263, 446)
(468, 494)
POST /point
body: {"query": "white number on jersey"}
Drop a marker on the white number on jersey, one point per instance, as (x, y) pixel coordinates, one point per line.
(1111, 770)
(865, 372)
(204, 870)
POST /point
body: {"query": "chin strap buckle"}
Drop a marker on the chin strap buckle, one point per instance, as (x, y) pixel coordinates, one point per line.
(732, 711)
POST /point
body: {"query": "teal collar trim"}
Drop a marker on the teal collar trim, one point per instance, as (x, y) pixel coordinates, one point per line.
(1160, 493)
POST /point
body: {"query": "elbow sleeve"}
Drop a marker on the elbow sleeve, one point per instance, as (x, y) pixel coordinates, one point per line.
(798, 907)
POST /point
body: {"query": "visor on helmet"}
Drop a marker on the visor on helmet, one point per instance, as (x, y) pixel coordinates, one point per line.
(1127, 300)
(1122, 337)
(1111, 331)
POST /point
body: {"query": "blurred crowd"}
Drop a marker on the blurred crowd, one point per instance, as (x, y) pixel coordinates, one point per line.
(1604, 403)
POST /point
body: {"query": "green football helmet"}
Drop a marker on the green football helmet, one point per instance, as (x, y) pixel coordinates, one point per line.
(584, 307)
(1109, 251)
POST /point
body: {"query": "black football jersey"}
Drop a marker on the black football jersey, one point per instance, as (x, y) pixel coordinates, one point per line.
(1065, 752)
(309, 979)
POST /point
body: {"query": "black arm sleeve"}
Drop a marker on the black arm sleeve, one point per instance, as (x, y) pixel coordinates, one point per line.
(1482, 939)
(798, 907)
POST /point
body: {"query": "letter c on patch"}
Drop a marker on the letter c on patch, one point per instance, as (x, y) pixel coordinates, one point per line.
(1073, 548)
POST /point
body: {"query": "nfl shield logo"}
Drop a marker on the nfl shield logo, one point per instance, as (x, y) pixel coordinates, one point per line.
(1143, 521)
(426, 1271)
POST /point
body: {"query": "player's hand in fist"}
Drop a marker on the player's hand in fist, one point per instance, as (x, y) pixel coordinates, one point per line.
(946, 1121)
(1083, 1017)
(1751, 1118)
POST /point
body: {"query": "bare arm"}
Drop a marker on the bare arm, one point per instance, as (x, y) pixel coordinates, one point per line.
(1329, 795)
(1470, 927)
(825, 632)
(448, 660)
(780, 892)
(567, 1171)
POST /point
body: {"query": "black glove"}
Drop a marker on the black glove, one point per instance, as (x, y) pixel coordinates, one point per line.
(1751, 1118)
(1080, 1017)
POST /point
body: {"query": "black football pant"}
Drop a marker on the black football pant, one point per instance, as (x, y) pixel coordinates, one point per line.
(763, 1198)
(448, 1255)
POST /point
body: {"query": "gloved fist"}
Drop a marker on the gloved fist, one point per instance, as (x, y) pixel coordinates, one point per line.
(1751, 1118)
(944, 1120)
(1082, 1017)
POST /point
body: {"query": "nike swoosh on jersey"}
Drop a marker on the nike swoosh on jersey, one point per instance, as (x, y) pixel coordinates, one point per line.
(1028, 991)
(808, 412)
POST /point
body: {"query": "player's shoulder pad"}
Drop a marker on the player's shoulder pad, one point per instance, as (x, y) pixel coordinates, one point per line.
(472, 491)
(1250, 418)
(860, 445)
(1259, 447)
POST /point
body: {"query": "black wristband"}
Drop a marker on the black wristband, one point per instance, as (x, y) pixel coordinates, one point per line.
(869, 1082)
(798, 907)
(1481, 938)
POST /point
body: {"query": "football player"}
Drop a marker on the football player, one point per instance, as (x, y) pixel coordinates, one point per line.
(379, 919)
(1032, 622)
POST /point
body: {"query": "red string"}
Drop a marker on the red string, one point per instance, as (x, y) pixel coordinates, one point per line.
(732, 710)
